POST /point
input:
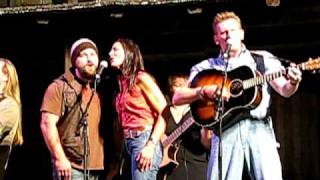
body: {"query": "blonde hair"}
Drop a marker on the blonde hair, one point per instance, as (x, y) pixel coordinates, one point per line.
(222, 16)
(12, 89)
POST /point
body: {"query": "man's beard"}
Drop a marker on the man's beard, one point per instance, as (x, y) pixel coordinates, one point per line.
(88, 72)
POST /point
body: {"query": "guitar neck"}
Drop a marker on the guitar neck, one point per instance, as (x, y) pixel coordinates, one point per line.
(249, 83)
(177, 132)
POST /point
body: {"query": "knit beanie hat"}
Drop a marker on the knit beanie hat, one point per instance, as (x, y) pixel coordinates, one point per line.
(79, 46)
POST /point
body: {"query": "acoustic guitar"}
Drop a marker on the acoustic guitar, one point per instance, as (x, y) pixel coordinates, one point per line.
(244, 87)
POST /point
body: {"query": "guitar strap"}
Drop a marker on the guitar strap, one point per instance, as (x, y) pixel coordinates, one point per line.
(259, 61)
(262, 69)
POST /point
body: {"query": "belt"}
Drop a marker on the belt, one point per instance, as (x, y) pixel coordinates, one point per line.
(131, 133)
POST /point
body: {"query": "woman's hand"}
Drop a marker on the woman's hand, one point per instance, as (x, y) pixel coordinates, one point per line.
(145, 157)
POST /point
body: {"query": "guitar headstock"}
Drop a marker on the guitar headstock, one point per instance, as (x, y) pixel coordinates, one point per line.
(311, 64)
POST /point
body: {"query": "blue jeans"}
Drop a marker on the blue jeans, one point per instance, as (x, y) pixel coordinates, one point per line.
(77, 174)
(251, 143)
(134, 147)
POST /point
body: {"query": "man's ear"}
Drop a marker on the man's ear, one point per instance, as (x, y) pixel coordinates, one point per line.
(242, 35)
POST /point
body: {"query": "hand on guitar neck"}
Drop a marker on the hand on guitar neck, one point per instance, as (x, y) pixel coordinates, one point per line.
(294, 74)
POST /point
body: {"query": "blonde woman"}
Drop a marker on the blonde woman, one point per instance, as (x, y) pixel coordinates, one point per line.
(10, 112)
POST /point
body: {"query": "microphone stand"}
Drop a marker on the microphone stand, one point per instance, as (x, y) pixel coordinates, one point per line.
(220, 111)
(84, 123)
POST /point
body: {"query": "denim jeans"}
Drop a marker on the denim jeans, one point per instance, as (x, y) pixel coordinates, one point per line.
(134, 147)
(77, 174)
(250, 144)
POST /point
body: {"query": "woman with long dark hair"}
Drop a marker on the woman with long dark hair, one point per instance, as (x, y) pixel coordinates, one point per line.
(139, 104)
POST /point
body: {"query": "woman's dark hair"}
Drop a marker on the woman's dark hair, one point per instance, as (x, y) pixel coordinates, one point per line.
(133, 61)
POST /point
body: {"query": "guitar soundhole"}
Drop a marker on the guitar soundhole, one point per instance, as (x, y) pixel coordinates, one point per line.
(236, 88)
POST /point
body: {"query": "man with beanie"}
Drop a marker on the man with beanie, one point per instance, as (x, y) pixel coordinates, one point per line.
(70, 117)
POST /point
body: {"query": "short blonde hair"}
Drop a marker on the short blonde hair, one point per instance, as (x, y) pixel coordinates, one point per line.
(222, 16)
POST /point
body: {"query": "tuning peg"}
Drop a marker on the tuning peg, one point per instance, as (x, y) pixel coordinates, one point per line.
(315, 72)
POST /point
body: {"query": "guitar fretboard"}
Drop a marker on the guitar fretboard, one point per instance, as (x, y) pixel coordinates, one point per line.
(178, 131)
(249, 83)
(262, 79)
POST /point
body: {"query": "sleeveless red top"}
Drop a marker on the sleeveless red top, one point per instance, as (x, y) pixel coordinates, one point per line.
(133, 108)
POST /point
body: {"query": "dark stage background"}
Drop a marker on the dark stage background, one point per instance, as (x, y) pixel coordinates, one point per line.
(172, 37)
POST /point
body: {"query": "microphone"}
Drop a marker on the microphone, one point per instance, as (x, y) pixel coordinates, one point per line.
(103, 64)
(226, 53)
